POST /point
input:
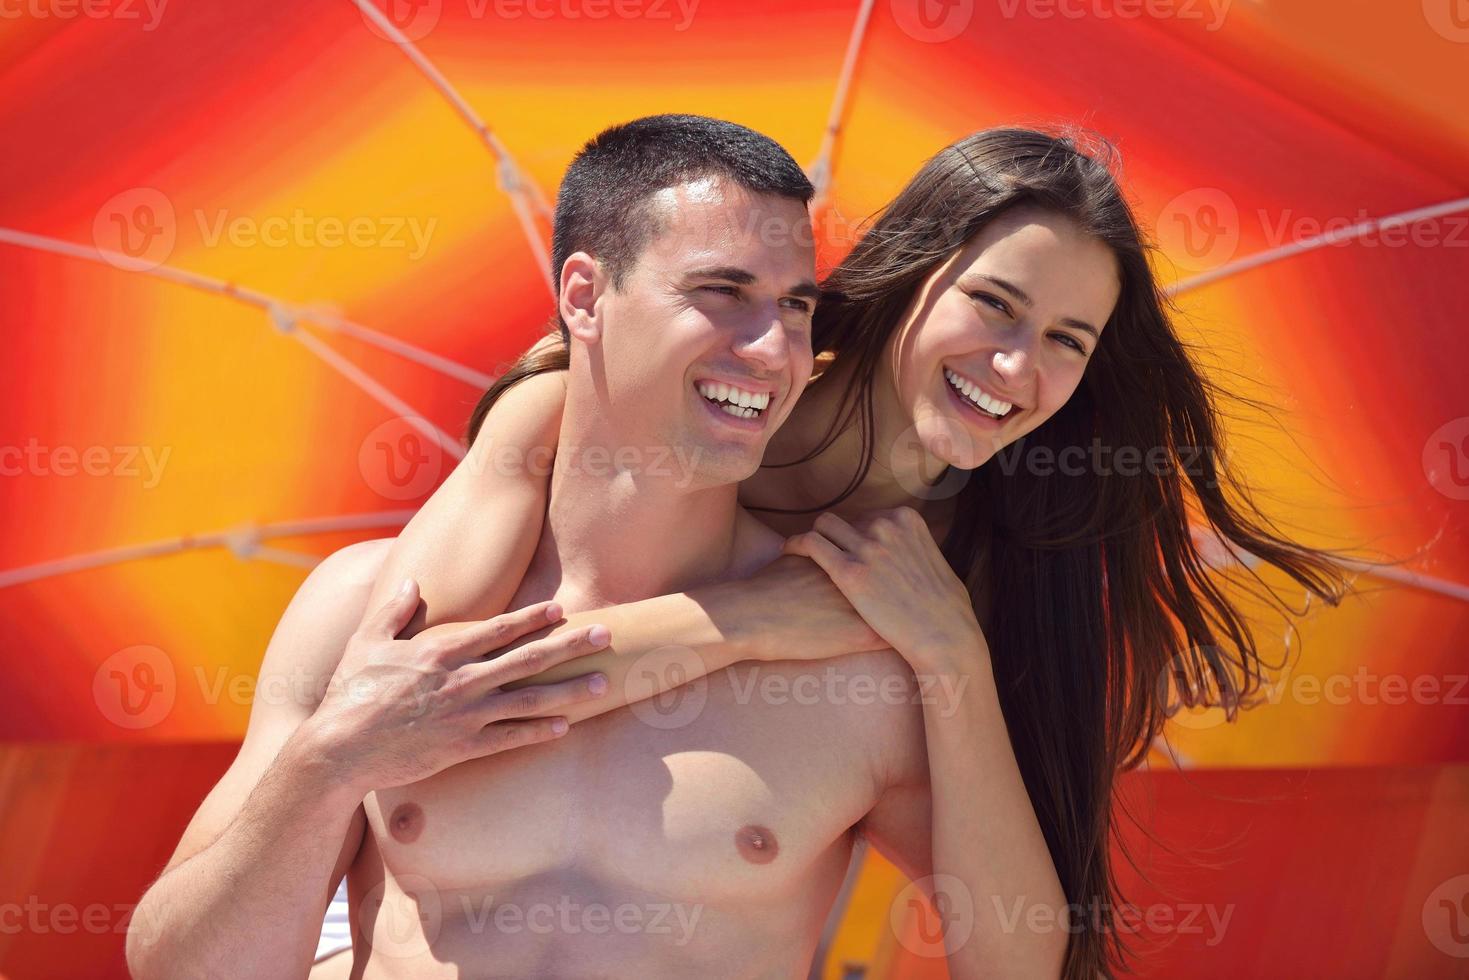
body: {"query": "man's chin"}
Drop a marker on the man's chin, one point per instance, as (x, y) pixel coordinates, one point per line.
(706, 466)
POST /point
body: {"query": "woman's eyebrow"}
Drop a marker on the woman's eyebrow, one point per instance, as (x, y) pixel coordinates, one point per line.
(1008, 287)
(1024, 298)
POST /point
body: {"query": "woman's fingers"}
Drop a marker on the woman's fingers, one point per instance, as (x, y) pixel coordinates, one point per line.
(542, 700)
(838, 531)
(817, 547)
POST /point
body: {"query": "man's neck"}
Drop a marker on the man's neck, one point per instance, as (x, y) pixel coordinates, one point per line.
(618, 537)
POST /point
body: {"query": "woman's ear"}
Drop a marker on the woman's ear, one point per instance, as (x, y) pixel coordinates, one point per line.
(582, 284)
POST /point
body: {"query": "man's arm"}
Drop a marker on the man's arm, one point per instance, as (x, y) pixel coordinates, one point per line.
(267, 848)
(271, 841)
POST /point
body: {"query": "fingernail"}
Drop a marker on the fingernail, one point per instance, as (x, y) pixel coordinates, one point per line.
(598, 684)
(406, 587)
(559, 726)
(599, 635)
(553, 612)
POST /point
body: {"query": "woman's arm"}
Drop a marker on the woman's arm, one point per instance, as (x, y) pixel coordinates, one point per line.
(789, 610)
(468, 547)
(982, 833)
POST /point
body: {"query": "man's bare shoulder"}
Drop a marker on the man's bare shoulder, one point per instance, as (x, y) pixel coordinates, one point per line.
(325, 611)
(354, 566)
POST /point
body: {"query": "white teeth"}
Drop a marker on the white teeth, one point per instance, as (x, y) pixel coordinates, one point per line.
(735, 401)
(971, 391)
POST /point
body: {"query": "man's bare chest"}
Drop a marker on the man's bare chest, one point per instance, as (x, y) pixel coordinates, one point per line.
(741, 785)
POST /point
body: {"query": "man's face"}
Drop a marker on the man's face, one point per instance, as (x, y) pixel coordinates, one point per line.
(706, 345)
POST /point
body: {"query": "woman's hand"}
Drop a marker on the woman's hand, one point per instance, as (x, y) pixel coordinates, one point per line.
(897, 579)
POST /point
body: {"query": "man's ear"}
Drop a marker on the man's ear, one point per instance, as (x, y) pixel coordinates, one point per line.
(582, 286)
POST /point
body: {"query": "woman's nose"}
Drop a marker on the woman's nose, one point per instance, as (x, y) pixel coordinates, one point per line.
(1013, 364)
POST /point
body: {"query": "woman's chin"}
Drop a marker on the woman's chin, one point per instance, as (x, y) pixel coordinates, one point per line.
(966, 461)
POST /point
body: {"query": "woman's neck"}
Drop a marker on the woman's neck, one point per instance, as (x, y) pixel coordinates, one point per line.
(899, 472)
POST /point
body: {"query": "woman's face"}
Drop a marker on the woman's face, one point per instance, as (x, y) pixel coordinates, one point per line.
(997, 338)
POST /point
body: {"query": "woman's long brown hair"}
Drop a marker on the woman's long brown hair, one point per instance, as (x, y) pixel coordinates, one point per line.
(1104, 607)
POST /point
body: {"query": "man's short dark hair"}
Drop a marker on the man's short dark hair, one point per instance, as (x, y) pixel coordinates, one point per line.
(603, 206)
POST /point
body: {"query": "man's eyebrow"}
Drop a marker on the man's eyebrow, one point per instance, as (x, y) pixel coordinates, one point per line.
(806, 288)
(1025, 299)
(728, 272)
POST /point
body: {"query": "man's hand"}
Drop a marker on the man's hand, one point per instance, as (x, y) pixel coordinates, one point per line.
(397, 711)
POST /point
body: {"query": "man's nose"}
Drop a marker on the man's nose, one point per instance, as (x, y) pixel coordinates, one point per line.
(766, 342)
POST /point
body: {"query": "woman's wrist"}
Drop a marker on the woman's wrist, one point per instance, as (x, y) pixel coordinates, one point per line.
(950, 656)
(789, 610)
(741, 615)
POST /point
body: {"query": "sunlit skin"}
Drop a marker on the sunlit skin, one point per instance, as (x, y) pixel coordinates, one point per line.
(731, 304)
(1019, 310)
(740, 816)
(1004, 311)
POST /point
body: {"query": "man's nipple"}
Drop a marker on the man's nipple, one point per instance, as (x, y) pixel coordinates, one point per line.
(406, 822)
(756, 844)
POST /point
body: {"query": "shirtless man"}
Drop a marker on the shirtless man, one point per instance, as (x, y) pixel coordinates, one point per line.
(708, 840)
